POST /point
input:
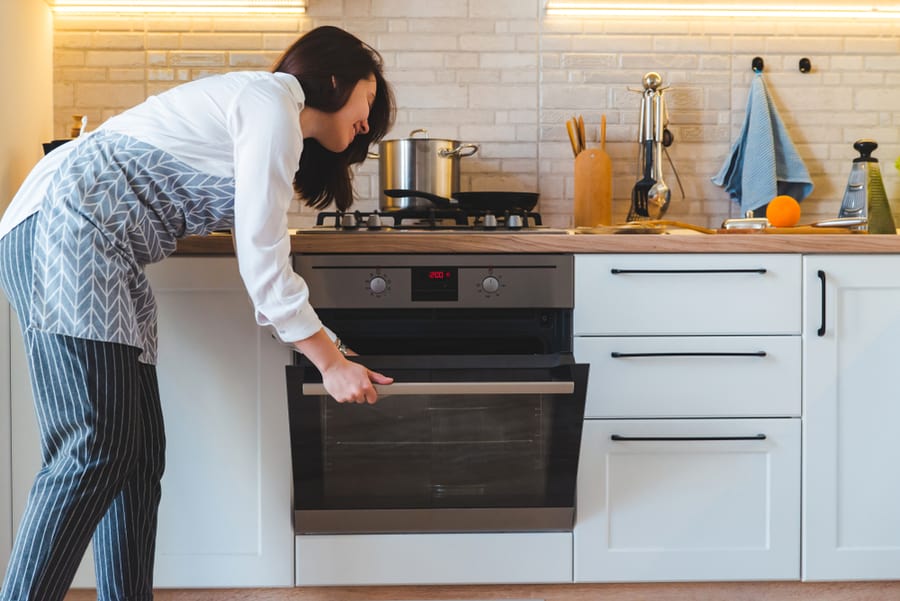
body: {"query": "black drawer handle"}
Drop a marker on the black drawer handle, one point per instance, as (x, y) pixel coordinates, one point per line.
(821, 330)
(619, 438)
(616, 271)
(618, 355)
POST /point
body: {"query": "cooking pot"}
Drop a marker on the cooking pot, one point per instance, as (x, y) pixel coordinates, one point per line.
(419, 163)
(496, 202)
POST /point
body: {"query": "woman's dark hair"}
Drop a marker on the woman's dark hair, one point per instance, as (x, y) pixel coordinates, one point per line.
(329, 62)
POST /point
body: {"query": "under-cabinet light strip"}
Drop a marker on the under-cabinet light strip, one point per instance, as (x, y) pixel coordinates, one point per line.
(644, 9)
(180, 6)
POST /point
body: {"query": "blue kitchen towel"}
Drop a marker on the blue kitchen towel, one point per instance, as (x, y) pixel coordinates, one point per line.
(763, 161)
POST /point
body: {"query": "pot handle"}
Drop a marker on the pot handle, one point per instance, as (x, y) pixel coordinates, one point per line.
(463, 150)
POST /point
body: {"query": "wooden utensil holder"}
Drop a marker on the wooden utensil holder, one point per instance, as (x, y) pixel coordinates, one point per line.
(593, 188)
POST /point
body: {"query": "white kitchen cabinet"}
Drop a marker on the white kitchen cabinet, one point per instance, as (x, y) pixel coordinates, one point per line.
(695, 362)
(688, 500)
(851, 397)
(5, 437)
(225, 516)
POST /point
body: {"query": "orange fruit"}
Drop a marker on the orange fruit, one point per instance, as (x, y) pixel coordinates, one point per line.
(783, 211)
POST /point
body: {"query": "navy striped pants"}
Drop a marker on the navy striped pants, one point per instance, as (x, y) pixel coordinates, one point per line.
(102, 456)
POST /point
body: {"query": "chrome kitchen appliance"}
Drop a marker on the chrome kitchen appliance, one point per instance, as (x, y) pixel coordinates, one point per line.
(651, 195)
(482, 428)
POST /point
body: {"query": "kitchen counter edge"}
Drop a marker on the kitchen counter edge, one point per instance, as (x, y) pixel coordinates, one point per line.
(562, 242)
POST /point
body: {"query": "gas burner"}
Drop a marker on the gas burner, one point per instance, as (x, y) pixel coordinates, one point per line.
(429, 219)
(489, 221)
(350, 220)
(373, 221)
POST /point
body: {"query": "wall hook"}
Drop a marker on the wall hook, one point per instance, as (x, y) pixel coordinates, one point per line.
(757, 64)
(805, 65)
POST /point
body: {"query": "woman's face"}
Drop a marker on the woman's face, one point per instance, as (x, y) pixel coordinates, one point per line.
(339, 128)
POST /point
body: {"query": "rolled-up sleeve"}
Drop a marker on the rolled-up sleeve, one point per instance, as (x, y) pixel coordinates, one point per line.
(265, 126)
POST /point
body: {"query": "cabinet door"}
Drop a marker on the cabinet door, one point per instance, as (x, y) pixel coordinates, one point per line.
(850, 415)
(225, 516)
(664, 500)
(5, 436)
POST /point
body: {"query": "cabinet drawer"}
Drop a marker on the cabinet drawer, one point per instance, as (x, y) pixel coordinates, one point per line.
(692, 376)
(687, 294)
(688, 500)
(463, 558)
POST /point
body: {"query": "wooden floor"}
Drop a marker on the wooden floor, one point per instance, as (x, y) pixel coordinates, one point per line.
(740, 591)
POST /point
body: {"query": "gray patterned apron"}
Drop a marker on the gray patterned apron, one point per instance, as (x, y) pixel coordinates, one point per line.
(115, 205)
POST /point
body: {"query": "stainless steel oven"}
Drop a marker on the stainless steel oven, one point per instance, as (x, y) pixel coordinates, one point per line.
(482, 428)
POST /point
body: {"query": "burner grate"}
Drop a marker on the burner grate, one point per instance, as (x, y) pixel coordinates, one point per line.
(429, 219)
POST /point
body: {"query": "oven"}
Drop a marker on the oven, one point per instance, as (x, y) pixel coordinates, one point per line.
(481, 429)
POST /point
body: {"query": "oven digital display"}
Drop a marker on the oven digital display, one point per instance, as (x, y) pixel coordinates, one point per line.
(435, 284)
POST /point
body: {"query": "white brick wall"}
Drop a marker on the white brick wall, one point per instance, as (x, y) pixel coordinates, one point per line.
(498, 73)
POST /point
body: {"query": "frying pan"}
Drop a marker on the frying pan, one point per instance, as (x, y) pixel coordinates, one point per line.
(486, 201)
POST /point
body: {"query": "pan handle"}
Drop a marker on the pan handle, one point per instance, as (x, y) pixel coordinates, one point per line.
(444, 203)
(463, 150)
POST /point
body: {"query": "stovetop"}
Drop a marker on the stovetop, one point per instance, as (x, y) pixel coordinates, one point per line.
(431, 219)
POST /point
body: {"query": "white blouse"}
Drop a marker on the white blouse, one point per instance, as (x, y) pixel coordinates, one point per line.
(243, 125)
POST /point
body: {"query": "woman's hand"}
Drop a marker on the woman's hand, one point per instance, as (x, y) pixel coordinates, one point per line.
(346, 381)
(350, 382)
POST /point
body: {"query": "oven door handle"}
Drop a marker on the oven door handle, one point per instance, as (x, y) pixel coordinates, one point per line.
(414, 388)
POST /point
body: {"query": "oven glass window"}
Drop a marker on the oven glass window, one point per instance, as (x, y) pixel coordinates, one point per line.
(437, 451)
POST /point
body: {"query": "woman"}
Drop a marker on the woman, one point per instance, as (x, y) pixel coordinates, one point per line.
(223, 152)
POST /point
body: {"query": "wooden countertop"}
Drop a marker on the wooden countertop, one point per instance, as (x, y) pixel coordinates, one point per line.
(558, 241)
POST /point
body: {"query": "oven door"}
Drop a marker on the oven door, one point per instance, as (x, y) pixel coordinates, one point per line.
(456, 444)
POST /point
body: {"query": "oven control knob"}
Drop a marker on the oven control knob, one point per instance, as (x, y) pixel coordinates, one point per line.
(490, 284)
(377, 285)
